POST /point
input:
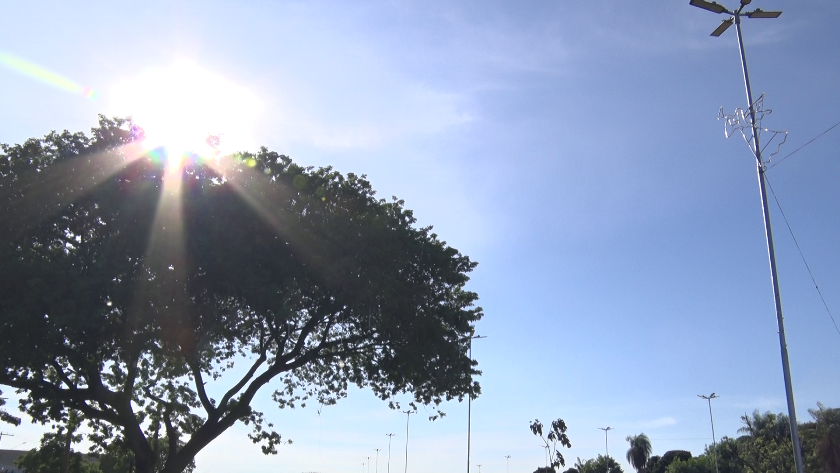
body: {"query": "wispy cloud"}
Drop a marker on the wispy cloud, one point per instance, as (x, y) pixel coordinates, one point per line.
(658, 422)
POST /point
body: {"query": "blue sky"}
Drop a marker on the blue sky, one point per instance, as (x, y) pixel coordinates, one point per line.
(571, 148)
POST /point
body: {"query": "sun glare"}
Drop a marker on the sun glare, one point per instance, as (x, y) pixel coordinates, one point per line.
(180, 106)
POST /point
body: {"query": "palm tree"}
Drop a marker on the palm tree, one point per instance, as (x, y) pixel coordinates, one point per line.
(639, 451)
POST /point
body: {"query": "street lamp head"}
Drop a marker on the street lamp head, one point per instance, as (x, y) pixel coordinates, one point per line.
(759, 13)
(724, 25)
(710, 6)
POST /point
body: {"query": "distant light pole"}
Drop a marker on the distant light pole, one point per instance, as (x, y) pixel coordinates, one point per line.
(714, 442)
(469, 400)
(389, 451)
(377, 460)
(363, 467)
(768, 231)
(407, 418)
(508, 463)
(368, 464)
(606, 438)
(479, 468)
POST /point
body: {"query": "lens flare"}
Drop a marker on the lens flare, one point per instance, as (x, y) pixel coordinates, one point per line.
(48, 77)
(179, 106)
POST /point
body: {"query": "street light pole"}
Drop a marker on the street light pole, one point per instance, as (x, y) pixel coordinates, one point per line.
(469, 400)
(606, 438)
(368, 464)
(760, 167)
(377, 460)
(407, 418)
(714, 442)
(508, 463)
(389, 451)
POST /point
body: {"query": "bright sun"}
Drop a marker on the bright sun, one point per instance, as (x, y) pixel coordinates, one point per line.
(180, 106)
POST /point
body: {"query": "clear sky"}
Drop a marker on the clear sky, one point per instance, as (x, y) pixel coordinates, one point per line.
(572, 148)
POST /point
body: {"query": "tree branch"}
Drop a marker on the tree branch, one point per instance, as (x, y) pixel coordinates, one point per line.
(171, 434)
(212, 413)
(242, 382)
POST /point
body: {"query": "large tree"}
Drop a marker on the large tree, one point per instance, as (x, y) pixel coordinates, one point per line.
(133, 284)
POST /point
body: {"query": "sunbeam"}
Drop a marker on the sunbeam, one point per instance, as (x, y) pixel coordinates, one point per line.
(42, 193)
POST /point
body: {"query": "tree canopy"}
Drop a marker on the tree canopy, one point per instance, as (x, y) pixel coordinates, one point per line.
(134, 283)
(601, 464)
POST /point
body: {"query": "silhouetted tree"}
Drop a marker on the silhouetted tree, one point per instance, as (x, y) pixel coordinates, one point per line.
(132, 282)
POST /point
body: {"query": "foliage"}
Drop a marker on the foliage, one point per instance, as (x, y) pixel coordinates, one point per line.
(4, 415)
(728, 458)
(639, 451)
(557, 434)
(701, 464)
(601, 464)
(49, 457)
(767, 447)
(132, 287)
(821, 439)
(657, 464)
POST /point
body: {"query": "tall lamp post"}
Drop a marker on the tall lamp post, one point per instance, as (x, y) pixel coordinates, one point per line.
(760, 167)
(407, 418)
(606, 438)
(389, 451)
(377, 460)
(714, 442)
(508, 463)
(469, 400)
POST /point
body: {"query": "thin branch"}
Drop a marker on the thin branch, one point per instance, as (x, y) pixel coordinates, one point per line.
(59, 371)
(242, 382)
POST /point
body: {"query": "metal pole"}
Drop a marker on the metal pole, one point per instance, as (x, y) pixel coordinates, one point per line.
(777, 299)
(606, 438)
(368, 464)
(389, 451)
(469, 401)
(377, 460)
(407, 418)
(508, 463)
(469, 410)
(714, 442)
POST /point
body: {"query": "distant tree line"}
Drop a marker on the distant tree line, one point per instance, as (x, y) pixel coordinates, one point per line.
(764, 446)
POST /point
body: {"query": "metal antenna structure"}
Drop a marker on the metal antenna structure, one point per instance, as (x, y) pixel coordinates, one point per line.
(407, 418)
(469, 400)
(714, 442)
(389, 451)
(606, 437)
(761, 169)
